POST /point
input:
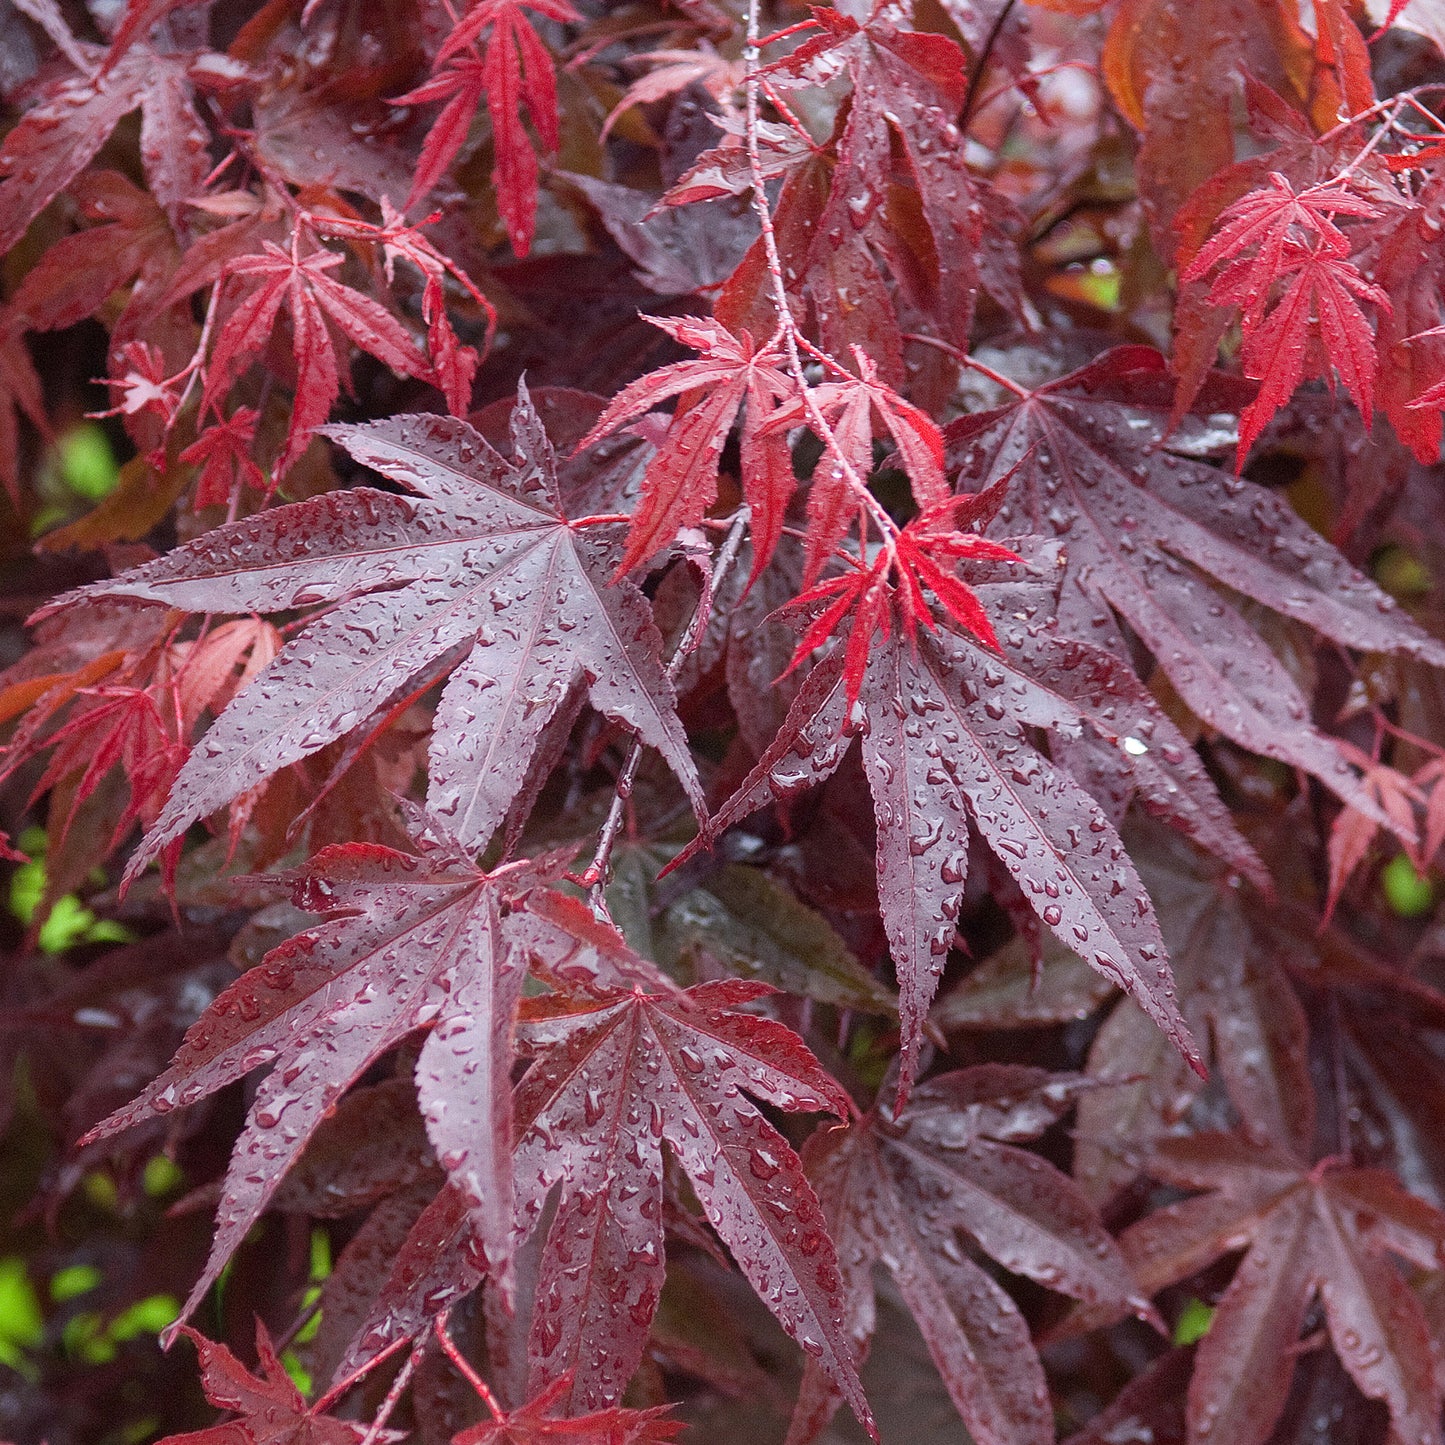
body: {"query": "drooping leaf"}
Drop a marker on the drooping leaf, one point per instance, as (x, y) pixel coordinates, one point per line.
(1286, 265)
(315, 302)
(915, 1189)
(619, 1076)
(942, 748)
(1324, 1232)
(1234, 993)
(908, 85)
(409, 942)
(681, 480)
(512, 70)
(1145, 528)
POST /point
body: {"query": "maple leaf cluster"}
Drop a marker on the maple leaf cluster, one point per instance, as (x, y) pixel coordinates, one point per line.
(715, 709)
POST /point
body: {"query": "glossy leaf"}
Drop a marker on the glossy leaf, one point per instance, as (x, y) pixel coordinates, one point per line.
(480, 573)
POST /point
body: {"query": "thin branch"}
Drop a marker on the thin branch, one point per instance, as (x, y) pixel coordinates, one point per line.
(975, 76)
(595, 875)
(403, 1377)
(464, 1366)
(964, 359)
(787, 327)
(342, 1386)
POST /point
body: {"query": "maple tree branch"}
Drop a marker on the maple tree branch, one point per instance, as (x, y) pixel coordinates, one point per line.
(342, 1386)
(787, 327)
(975, 78)
(464, 1366)
(998, 92)
(1395, 107)
(403, 1378)
(593, 878)
(196, 367)
(964, 359)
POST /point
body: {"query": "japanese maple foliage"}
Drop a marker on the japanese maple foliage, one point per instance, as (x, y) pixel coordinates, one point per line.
(712, 708)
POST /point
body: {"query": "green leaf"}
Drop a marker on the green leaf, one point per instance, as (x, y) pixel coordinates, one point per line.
(1193, 1322)
(72, 1281)
(1406, 891)
(148, 1316)
(21, 1322)
(87, 463)
(161, 1176)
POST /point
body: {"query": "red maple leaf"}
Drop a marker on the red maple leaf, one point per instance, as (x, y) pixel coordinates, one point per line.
(1316, 328)
(223, 453)
(1144, 527)
(272, 1410)
(849, 409)
(1324, 1232)
(455, 364)
(907, 86)
(314, 299)
(924, 554)
(130, 240)
(941, 748)
(906, 1188)
(513, 71)
(136, 711)
(59, 136)
(1268, 223)
(625, 1063)
(420, 941)
(619, 1074)
(1286, 266)
(681, 480)
(479, 574)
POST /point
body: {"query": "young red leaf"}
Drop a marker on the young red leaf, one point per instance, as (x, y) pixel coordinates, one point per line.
(535, 1423)
(223, 453)
(315, 301)
(1286, 265)
(849, 407)
(681, 480)
(513, 71)
(454, 364)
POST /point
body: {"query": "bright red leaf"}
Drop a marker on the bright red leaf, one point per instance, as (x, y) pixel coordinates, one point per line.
(681, 481)
(512, 71)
